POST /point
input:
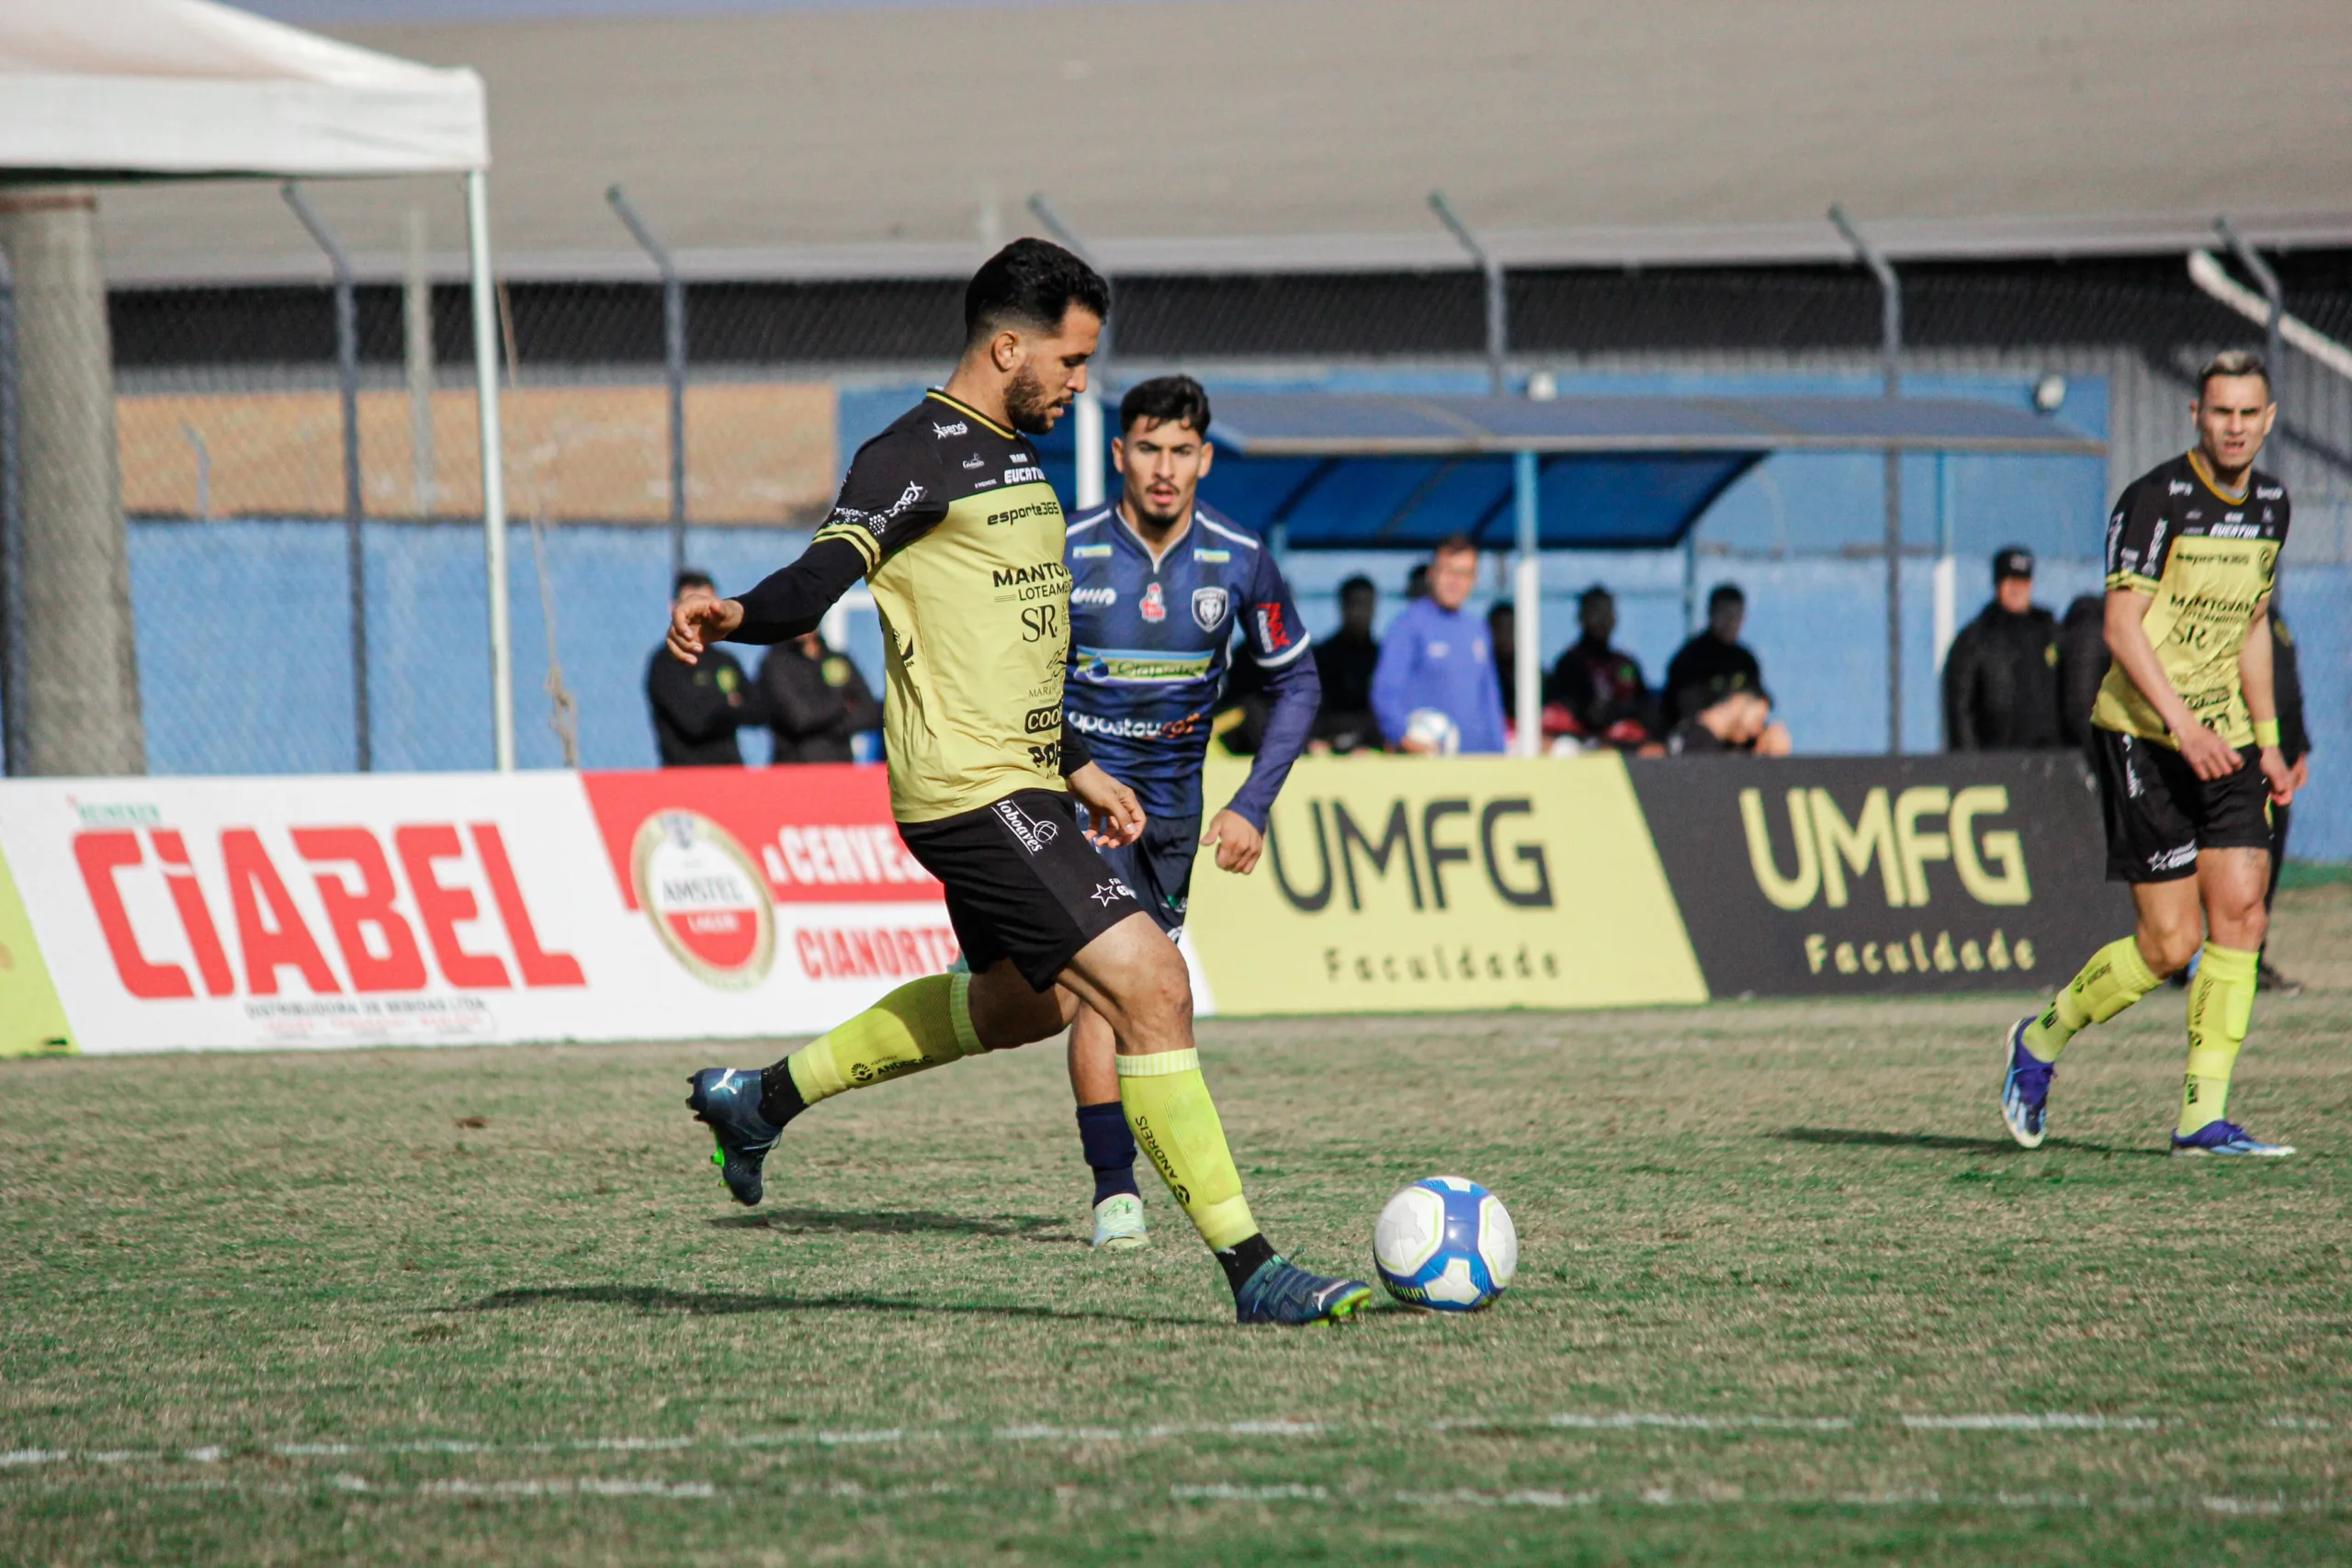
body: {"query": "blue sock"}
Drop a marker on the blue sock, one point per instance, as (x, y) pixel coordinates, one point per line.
(1110, 1149)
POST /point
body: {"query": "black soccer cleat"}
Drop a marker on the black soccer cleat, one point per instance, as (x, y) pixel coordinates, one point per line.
(727, 1100)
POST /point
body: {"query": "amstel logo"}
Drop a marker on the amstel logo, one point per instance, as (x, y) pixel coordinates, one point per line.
(706, 899)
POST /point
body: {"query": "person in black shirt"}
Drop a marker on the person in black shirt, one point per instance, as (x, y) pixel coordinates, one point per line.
(1714, 662)
(2083, 659)
(1502, 644)
(816, 701)
(2001, 675)
(697, 709)
(1601, 686)
(1345, 662)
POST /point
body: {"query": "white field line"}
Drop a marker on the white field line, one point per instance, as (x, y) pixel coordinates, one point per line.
(1619, 1421)
(1225, 1493)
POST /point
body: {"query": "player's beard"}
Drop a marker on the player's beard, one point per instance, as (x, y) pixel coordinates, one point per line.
(1027, 404)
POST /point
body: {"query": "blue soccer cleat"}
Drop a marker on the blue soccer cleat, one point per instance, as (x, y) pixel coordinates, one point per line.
(1281, 1291)
(727, 1100)
(2227, 1138)
(2024, 1088)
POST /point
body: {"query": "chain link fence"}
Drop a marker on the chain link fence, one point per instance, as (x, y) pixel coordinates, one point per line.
(229, 446)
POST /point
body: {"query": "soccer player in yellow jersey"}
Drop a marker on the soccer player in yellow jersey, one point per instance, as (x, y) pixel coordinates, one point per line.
(949, 517)
(2186, 734)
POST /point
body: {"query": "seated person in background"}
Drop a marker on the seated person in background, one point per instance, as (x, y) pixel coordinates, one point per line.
(1601, 687)
(697, 709)
(1346, 661)
(816, 701)
(1736, 721)
(2001, 675)
(1434, 688)
(2083, 659)
(1714, 661)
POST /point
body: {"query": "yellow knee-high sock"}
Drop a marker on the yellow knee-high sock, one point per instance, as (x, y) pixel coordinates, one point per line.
(2221, 1006)
(2114, 979)
(921, 1024)
(1176, 1126)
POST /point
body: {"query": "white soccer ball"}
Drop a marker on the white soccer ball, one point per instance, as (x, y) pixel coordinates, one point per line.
(1446, 1244)
(1435, 728)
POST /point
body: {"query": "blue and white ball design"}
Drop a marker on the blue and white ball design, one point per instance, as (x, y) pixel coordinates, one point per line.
(1446, 1244)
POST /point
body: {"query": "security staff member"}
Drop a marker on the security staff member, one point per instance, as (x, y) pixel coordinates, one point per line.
(2001, 676)
(698, 707)
(817, 701)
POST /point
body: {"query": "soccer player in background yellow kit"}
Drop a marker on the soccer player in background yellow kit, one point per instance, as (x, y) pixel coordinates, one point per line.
(947, 516)
(2185, 736)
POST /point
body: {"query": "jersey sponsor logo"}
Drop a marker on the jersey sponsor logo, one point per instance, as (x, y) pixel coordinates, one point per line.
(1019, 513)
(1153, 605)
(2236, 531)
(1105, 597)
(1041, 621)
(1024, 476)
(1109, 893)
(1019, 456)
(1132, 728)
(1209, 607)
(945, 432)
(1273, 635)
(976, 461)
(2174, 859)
(1088, 552)
(1047, 571)
(1170, 668)
(2270, 492)
(1220, 557)
(1042, 721)
(2179, 487)
(1034, 832)
(1046, 759)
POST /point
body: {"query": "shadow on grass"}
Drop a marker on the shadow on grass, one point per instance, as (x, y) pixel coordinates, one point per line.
(1865, 1138)
(900, 1221)
(657, 1299)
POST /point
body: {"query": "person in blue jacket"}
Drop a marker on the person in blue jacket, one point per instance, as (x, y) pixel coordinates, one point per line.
(1161, 587)
(1435, 659)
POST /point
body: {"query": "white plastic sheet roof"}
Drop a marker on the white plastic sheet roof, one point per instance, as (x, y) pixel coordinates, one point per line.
(127, 88)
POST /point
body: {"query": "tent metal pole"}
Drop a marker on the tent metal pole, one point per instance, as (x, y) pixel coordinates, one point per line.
(1890, 291)
(1086, 422)
(1497, 301)
(1527, 607)
(674, 363)
(12, 533)
(2273, 295)
(493, 469)
(355, 503)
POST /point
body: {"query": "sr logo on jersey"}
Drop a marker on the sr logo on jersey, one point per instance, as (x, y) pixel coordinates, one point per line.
(706, 899)
(1153, 605)
(1209, 605)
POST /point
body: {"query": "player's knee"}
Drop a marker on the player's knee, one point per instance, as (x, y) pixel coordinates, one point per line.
(1161, 996)
(2169, 948)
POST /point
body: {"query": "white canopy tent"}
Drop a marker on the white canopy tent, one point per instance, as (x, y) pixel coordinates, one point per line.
(113, 90)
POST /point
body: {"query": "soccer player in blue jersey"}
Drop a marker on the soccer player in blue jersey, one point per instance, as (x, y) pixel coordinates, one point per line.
(1160, 587)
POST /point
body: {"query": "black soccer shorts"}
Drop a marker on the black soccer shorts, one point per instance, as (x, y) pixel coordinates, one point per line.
(1158, 866)
(2159, 813)
(1022, 881)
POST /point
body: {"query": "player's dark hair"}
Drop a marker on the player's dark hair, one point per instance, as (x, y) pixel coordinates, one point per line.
(2233, 362)
(690, 579)
(1166, 399)
(1030, 284)
(1728, 593)
(1454, 545)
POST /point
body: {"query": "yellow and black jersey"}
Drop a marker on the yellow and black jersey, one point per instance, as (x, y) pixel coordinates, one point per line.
(961, 540)
(2208, 559)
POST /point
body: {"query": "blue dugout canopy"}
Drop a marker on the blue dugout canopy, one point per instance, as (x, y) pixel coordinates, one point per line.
(1337, 470)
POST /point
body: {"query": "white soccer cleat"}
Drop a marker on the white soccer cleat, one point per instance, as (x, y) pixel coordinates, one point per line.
(1118, 1223)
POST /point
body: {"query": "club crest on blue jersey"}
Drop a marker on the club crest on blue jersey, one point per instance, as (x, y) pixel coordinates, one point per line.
(1209, 605)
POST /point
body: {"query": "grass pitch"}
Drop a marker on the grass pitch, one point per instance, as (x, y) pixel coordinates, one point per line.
(1787, 1295)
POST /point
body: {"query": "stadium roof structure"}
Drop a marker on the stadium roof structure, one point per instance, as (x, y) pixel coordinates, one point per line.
(138, 89)
(1356, 471)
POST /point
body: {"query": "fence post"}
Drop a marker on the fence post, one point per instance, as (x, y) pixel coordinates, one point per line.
(673, 364)
(1890, 352)
(346, 356)
(493, 468)
(12, 535)
(1086, 427)
(1497, 302)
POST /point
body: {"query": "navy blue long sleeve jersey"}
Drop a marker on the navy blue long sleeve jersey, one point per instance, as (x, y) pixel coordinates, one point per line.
(1151, 642)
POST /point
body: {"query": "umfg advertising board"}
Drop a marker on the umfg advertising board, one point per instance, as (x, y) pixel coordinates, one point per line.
(457, 909)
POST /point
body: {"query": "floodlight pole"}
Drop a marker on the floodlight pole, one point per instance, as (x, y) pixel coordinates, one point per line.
(1086, 419)
(355, 538)
(673, 364)
(1497, 302)
(2272, 294)
(12, 533)
(493, 468)
(1891, 352)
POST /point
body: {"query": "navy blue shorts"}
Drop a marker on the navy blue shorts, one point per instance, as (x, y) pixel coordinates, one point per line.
(1158, 866)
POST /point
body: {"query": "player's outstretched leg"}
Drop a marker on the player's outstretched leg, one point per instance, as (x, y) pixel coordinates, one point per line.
(2116, 977)
(921, 1024)
(1103, 1133)
(1134, 976)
